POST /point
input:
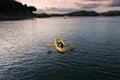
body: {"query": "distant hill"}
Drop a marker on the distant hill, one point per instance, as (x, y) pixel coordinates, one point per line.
(110, 13)
(88, 13)
(83, 13)
(57, 15)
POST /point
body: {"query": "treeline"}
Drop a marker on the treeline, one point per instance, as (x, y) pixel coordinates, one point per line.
(83, 13)
(12, 6)
(89, 13)
(110, 13)
(93, 13)
(13, 10)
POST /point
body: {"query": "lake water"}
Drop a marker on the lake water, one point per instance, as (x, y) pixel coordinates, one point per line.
(24, 55)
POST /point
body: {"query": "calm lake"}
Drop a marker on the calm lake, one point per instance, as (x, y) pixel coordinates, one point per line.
(24, 55)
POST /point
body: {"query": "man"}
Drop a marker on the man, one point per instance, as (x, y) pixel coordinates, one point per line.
(60, 44)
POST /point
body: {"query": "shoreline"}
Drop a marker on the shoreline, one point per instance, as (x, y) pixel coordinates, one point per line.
(26, 15)
(22, 17)
(5, 18)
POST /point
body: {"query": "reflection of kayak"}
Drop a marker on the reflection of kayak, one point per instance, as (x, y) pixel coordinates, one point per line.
(61, 49)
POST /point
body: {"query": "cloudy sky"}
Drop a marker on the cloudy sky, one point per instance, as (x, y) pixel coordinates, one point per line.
(64, 6)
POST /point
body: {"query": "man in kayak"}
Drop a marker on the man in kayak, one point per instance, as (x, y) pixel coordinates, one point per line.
(60, 44)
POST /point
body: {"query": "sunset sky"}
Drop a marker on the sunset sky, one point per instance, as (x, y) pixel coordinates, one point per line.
(63, 6)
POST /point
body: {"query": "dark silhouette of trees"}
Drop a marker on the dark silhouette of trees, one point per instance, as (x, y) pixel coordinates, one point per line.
(83, 13)
(93, 13)
(31, 8)
(111, 13)
(13, 10)
(12, 6)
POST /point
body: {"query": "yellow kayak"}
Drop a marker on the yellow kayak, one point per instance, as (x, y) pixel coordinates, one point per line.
(60, 45)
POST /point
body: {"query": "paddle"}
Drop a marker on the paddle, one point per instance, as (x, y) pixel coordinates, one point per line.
(49, 46)
(72, 46)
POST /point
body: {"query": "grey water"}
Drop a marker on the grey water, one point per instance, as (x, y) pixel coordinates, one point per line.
(24, 55)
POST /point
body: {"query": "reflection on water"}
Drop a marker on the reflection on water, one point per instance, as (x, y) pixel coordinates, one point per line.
(24, 55)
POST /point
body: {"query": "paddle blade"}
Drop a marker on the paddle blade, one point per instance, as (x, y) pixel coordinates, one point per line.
(49, 52)
(72, 46)
(49, 46)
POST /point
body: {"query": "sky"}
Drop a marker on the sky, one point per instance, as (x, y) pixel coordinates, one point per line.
(63, 6)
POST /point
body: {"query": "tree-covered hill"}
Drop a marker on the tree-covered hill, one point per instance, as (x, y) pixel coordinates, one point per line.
(110, 13)
(12, 6)
(83, 13)
(13, 10)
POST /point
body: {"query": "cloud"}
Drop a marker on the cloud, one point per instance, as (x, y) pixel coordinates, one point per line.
(90, 6)
(115, 3)
(97, 3)
(58, 10)
(87, 5)
(64, 6)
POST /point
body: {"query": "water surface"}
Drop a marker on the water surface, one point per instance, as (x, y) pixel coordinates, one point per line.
(24, 55)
